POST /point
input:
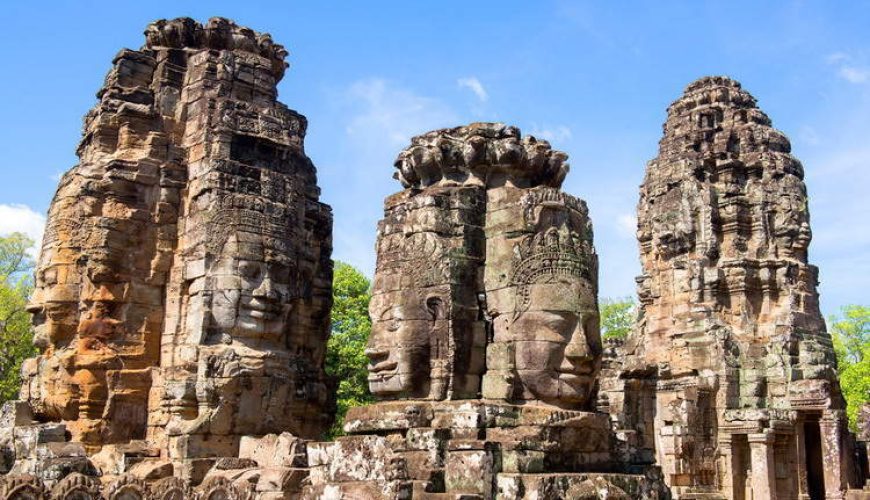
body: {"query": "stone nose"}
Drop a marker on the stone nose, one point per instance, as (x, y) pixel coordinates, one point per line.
(578, 352)
(266, 290)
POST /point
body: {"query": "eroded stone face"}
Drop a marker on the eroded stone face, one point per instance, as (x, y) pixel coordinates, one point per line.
(188, 247)
(541, 281)
(251, 295)
(400, 343)
(427, 336)
(557, 343)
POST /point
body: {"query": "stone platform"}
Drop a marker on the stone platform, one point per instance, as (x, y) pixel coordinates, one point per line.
(476, 449)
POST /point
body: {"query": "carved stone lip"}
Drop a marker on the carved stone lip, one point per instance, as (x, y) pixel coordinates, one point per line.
(574, 378)
(382, 370)
(579, 370)
(260, 309)
(261, 314)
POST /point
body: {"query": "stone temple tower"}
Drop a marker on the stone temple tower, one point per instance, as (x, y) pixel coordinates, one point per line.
(729, 380)
(184, 285)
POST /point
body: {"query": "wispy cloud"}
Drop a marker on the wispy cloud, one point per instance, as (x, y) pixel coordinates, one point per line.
(379, 117)
(853, 74)
(847, 69)
(473, 84)
(836, 57)
(22, 219)
(556, 133)
(385, 111)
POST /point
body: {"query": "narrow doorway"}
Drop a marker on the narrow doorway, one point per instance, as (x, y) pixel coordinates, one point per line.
(815, 465)
(742, 463)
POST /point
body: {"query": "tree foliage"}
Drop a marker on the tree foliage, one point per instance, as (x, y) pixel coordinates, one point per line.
(345, 352)
(850, 331)
(16, 284)
(617, 317)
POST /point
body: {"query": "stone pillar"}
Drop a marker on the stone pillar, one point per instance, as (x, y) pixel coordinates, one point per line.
(729, 463)
(763, 478)
(831, 429)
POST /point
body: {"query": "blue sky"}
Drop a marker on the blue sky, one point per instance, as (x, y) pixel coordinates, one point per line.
(592, 78)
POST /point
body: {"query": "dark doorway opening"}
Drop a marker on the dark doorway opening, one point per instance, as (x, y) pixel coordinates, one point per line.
(742, 463)
(815, 465)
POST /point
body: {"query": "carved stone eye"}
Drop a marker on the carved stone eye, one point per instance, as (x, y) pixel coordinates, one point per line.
(49, 276)
(393, 324)
(249, 269)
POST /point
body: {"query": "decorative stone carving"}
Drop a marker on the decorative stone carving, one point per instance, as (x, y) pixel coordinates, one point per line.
(127, 488)
(479, 154)
(541, 290)
(730, 344)
(170, 488)
(184, 284)
(485, 343)
(22, 487)
(220, 487)
(77, 487)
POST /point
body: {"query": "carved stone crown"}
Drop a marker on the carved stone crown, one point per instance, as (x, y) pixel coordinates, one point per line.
(217, 34)
(471, 154)
(225, 222)
(550, 254)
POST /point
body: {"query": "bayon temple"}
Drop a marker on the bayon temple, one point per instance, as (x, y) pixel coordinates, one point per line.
(183, 295)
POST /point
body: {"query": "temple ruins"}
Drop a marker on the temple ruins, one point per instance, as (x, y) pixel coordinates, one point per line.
(728, 382)
(184, 286)
(485, 344)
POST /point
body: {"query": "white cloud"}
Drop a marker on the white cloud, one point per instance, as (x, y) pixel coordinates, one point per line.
(626, 224)
(847, 70)
(473, 84)
(555, 133)
(388, 112)
(23, 219)
(853, 74)
(379, 117)
(836, 57)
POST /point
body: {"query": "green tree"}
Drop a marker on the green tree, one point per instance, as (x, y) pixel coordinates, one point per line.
(16, 284)
(345, 351)
(617, 317)
(850, 331)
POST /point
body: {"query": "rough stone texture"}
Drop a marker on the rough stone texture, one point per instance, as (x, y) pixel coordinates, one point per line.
(183, 292)
(729, 381)
(485, 343)
(184, 283)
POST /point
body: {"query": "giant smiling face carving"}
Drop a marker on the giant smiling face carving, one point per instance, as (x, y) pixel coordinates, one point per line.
(557, 341)
(251, 291)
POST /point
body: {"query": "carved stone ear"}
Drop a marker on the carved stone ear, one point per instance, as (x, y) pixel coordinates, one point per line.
(435, 308)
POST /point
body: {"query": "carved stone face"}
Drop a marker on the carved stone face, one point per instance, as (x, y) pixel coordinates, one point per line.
(399, 347)
(251, 292)
(557, 341)
(54, 306)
